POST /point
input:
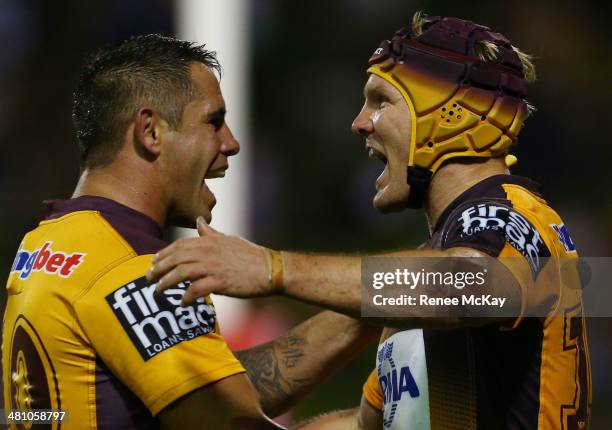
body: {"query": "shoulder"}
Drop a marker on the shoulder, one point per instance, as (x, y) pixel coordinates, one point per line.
(85, 234)
(517, 217)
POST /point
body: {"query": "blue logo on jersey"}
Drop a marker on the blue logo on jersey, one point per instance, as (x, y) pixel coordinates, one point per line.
(395, 383)
(46, 260)
(393, 387)
(564, 237)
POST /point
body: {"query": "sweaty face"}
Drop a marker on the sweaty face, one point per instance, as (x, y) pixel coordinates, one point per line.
(385, 122)
(198, 150)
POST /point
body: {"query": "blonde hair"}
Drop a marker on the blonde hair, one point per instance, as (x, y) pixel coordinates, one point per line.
(419, 19)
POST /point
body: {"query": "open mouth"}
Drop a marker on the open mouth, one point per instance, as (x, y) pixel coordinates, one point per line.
(217, 173)
(374, 154)
(377, 154)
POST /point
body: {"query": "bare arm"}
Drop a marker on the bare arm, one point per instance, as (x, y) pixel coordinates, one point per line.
(228, 404)
(288, 368)
(334, 282)
(366, 417)
(233, 266)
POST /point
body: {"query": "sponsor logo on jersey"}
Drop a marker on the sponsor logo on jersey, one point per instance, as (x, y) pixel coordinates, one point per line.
(518, 231)
(564, 237)
(394, 384)
(156, 322)
(46, 260)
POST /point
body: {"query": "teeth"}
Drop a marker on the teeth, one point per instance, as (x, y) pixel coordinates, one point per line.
(376, 154)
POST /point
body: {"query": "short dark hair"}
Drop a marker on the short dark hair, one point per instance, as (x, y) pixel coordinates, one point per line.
(115, 82)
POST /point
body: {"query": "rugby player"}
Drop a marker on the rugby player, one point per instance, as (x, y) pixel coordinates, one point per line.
(447, 99)
(83, 330)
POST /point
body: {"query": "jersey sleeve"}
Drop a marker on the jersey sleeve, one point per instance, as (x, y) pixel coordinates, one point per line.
(513, 237)
(372, 391)
(158, 349)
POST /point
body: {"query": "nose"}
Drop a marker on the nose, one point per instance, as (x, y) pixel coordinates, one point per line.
(362, 124)
(229, 145)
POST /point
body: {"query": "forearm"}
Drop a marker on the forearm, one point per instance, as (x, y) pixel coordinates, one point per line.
(288, 368)
(230, 403)
(365, 417)
(335, 282)
(339, 420)
(229, 265)
(332, 282)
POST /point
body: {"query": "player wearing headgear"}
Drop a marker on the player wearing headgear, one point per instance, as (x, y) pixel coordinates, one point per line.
(447, 99)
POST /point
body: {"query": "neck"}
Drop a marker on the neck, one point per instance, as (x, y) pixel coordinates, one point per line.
(453, 179)
(125, 187)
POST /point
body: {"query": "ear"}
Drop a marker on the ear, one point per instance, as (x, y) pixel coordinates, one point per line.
(147, 136)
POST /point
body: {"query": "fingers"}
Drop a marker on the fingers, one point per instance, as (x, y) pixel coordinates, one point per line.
(181, 251)
(184, 260)
(162, 267)
(200, 288)
(165, 264)
(181, 273)
(183, 244)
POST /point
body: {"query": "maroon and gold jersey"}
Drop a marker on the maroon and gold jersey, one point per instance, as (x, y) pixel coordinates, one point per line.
(533, 373)
(85, 332)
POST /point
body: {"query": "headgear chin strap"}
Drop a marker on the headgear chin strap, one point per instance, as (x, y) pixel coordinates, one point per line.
(418, 179)
(460, 106)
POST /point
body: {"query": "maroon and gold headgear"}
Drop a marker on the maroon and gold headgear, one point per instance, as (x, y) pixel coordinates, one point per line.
(460, 105)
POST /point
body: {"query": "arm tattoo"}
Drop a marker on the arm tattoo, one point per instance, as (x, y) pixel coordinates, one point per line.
(268, 369)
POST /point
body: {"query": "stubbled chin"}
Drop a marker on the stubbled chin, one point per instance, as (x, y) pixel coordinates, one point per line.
(208, 200)
(390, 196)
(381, 202)
(385, 203)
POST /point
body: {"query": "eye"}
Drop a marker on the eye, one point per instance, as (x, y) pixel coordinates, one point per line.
(383, 101)
(216, 119)
(217, 123)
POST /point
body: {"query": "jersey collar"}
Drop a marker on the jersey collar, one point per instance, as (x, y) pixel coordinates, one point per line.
(127, 215)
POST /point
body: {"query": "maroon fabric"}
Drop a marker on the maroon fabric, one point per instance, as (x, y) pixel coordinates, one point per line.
(117, 408)
(140, 231)
(452, 41)
(504, 400)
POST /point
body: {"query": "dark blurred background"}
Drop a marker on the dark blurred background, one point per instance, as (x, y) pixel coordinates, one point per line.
(312, 183)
